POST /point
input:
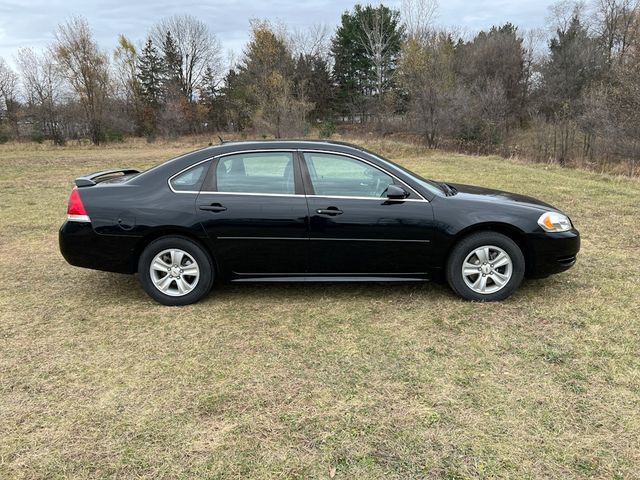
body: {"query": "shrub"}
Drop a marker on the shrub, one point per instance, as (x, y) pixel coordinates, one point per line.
(37, 136)
(326, 128)
(114, 136)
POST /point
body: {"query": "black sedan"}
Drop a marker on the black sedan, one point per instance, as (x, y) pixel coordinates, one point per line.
(313, 211)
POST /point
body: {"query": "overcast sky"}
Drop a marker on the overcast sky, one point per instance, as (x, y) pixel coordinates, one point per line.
(31, 23)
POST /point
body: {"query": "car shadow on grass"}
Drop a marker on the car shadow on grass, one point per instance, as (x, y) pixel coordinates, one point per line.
(313, 291)
(126, 287)
(105, 286)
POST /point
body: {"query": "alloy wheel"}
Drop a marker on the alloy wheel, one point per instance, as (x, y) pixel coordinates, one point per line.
(487, 269)
(174, 272)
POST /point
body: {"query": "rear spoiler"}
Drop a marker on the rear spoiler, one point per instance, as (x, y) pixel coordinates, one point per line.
(89, 180)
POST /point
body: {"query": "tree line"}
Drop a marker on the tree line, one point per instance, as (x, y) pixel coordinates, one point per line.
(567, 95)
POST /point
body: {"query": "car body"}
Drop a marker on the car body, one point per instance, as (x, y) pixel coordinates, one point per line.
(304, 211)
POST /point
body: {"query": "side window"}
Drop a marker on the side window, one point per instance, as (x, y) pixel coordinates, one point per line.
(270, 172)
(336, 175)
(191, 180)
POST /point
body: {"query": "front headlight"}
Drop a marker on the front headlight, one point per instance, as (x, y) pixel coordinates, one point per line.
(554, 222)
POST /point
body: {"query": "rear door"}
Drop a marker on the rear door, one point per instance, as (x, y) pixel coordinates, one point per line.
(354, 228)
(253, 208)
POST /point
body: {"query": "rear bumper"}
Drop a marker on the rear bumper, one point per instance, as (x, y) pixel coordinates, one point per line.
(552, 252)
(81, 246)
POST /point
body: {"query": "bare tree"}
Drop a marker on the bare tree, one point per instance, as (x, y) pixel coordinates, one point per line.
(197, 47)
(125, 64)
(426, 73)
(43, 86)
(86, 69)
(267, 74)
(616, 23)
(127, 84)
(9, 97)
(532, 57)
(563, 12)
(417, 16)
(313, 41)
(8, 80)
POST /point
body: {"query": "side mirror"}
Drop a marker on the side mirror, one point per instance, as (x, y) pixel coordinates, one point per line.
(396, 192)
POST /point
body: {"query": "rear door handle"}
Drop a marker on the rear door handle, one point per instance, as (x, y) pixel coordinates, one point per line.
(332, 211)
(214, 207)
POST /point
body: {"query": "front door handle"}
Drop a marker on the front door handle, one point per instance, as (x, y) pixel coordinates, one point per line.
(332, 211)
(213, 207)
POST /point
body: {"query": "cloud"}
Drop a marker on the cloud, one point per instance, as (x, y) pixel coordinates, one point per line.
(33, 23)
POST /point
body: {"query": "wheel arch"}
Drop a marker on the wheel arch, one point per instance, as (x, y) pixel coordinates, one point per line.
(170, 232)
(508, 230)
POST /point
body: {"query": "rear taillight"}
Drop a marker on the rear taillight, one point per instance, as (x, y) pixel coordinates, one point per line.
(75, 209)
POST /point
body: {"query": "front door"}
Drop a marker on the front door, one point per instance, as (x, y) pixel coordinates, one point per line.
(255, 213)
(354, 228)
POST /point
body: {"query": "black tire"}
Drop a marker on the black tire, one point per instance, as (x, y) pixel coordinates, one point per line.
(465, 247)
(202, 258)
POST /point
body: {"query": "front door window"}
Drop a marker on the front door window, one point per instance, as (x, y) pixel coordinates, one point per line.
(337, 175)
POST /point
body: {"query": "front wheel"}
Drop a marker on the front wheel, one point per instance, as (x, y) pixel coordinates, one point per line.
(485, 266)
(175, 271)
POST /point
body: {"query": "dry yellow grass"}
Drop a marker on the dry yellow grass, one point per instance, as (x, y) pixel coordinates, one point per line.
(291, 381)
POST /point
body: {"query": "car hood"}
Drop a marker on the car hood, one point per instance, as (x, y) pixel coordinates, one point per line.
(498, 196)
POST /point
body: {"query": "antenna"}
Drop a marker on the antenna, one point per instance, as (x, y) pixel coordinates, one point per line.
(221, 139)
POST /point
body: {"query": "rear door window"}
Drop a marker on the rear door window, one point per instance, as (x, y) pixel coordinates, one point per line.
(263, 172)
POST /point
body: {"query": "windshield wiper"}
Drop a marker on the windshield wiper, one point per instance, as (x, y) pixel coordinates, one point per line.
(447, 189)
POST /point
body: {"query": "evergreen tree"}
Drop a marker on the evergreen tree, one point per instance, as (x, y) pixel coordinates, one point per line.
(576, 60)
(350, 66)
(151, 70)
(173, 65)
(495, 59)
(210, 109)
(209, 88)
(366, 50)
(236, 101)
(312, 80)
(150, 74)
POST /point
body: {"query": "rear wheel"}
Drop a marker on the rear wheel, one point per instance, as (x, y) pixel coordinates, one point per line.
(175, 271)
(485, 266)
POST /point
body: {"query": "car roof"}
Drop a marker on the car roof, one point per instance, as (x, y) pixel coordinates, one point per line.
(278, 143)
(181, 162)
(289, 141)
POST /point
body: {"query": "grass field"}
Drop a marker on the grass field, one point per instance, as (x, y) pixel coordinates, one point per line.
(310, 381)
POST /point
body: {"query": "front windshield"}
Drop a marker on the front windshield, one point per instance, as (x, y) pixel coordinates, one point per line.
(429, 185)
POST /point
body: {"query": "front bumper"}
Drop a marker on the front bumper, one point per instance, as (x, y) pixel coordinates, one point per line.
(81, 246)
(552, 252)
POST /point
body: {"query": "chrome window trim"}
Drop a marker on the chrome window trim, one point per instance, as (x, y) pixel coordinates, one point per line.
(254, 194)
(329, 152)
(378, 167)
(231, 193)
(184, 170)
(251, 194)
(380, 199)
(262, 150)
